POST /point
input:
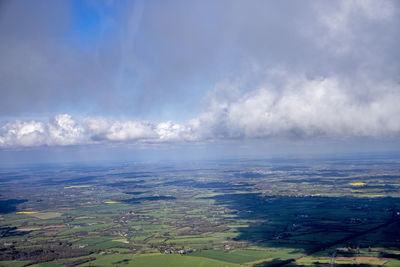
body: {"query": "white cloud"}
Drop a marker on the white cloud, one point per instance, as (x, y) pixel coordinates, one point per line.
(63, 130)
(23, 133)
(130, 130)
(170, 131)
(306, 108)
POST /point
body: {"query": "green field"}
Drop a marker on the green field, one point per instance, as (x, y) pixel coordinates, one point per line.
(237, 256)
(158, 260)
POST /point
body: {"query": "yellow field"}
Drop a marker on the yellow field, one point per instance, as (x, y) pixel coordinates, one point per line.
(27, 212)
(369, 190)
(111, 202)
(46, 215)
(357, 184)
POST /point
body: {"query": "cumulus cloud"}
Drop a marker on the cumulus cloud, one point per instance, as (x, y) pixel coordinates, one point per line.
(103, 129)
(63, 130)
(306, 108)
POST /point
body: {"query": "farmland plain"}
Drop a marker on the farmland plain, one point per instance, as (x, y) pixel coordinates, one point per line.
(276, 212)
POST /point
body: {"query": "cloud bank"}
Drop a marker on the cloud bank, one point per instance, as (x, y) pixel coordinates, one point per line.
(300, 108)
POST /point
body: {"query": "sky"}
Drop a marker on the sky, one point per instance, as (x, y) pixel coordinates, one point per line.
(83, 78)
